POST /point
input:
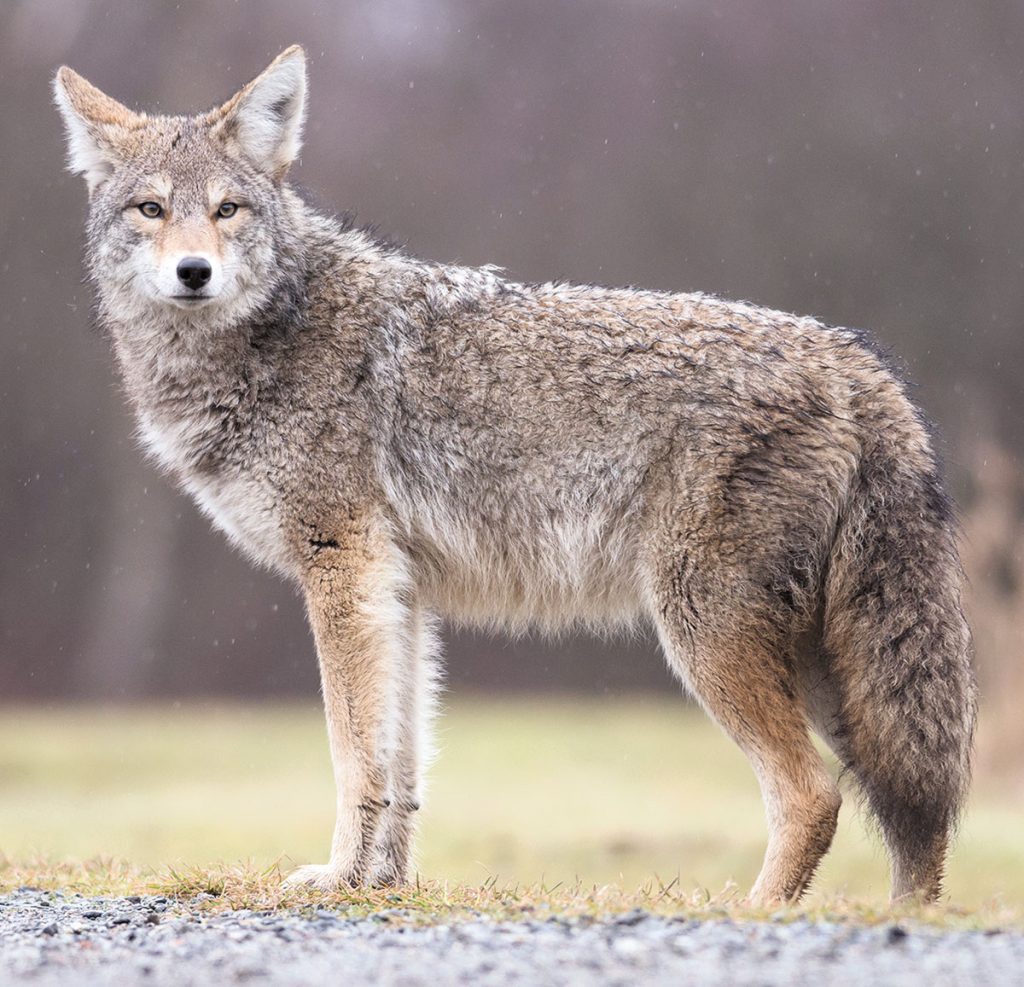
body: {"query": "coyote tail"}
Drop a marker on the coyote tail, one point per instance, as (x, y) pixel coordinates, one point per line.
(898, 646)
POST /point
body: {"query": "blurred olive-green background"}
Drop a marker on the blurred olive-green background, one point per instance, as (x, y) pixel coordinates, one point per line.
(635, 793)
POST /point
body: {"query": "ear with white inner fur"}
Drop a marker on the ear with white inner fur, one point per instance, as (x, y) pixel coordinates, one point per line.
(264, 119)
(94, 124)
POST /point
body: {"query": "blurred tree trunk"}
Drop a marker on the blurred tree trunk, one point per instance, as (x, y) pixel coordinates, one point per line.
(993, 556)
(133, 573)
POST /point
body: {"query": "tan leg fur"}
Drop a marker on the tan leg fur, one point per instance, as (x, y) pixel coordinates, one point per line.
(353, 593)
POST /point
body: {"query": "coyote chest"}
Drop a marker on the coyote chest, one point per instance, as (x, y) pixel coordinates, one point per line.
(241, 503)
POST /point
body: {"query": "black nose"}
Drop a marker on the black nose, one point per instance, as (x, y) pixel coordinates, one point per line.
(194, 272)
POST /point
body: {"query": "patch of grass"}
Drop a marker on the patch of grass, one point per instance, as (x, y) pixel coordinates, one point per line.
(229, 887)
(572, 805)
(97, 876)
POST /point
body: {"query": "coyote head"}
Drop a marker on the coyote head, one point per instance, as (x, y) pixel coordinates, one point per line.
(187, 218)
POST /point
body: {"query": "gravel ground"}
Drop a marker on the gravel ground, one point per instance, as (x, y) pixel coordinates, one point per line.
(51, 938)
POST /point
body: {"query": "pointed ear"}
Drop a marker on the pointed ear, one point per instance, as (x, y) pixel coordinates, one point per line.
(94, 123)
(264, 119)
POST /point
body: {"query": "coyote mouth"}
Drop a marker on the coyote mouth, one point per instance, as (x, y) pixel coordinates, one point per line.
(189, 303)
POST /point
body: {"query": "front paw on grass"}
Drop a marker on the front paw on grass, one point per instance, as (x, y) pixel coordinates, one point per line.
(384, 880)
(321, 877)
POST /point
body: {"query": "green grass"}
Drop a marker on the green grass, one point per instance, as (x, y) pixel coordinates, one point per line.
(611, 801)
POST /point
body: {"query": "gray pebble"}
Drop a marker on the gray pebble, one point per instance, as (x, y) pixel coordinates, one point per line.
(634, 917)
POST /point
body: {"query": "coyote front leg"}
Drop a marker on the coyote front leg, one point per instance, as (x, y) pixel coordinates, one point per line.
(353, 594)
(417, 687)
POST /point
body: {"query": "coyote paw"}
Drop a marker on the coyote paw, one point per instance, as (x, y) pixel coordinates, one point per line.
(321, 877)
(388, 876)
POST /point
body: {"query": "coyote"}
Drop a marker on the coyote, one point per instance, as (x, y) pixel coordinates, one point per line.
(410, 440)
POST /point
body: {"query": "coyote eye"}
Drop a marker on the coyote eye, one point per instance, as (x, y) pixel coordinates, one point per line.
(151, 210)
(227, 210)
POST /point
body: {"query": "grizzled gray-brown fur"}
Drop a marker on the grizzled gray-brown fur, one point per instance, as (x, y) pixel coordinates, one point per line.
(408, 440)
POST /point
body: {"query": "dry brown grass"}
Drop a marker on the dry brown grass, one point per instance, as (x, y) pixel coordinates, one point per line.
(242, 886)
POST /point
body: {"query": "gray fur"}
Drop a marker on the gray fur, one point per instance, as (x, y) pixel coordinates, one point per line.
(756, 485)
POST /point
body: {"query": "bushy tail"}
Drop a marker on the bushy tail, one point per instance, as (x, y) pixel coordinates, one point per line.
(899, 650)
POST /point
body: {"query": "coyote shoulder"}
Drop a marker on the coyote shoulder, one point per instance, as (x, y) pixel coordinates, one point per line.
(409, 440)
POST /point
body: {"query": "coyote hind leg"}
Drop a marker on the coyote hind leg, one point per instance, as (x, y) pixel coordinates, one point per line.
(744, 686)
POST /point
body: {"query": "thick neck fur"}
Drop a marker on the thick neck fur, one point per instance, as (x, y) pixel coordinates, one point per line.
(185, 368)
(339, 305)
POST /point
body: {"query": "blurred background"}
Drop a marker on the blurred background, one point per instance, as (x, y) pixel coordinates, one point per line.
(859, 162)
